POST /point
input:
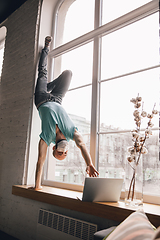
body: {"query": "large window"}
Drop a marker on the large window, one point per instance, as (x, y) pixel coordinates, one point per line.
(113, 52)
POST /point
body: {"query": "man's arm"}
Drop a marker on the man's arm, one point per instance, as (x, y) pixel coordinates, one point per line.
(42, 151)
(81, 145)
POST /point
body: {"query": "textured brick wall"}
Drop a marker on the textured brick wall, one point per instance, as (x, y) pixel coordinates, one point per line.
(17, 86)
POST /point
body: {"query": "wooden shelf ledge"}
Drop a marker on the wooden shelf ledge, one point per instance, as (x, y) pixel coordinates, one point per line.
(69, 199)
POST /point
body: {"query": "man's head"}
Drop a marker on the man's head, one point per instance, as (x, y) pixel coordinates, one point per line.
(60, 150)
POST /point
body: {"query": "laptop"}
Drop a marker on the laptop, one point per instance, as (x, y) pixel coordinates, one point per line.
(102, 189)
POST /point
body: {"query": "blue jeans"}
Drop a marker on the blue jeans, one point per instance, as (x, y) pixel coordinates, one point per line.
(53, 91)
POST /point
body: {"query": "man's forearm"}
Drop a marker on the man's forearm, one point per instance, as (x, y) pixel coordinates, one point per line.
(42, 151)
(86, 155)
(91, 170)
(80, 144)
(38, 175)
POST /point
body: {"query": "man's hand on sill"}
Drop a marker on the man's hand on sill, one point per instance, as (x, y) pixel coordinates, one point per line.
(35, 188)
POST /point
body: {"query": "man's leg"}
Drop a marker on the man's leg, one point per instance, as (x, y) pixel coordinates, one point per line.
(42, 72)
(41, 93)
(60, 85)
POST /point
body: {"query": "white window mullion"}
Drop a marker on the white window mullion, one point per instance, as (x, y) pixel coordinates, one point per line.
(95, 85)
(130, 73)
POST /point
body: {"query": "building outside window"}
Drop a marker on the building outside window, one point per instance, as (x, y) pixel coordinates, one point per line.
(113, 53)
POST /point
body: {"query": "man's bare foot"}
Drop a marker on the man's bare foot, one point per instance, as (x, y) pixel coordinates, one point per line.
(48, 40)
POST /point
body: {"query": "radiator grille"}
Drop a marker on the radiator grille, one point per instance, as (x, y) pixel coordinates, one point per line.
(74, 227)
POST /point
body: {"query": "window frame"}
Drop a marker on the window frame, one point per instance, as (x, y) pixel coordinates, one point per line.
(3, 32)
(95, 36)
(2, 43)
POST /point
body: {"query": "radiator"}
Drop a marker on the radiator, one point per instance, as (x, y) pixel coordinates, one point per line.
(53, 226)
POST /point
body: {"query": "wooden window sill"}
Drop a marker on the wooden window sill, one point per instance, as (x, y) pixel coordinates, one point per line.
(68, 199)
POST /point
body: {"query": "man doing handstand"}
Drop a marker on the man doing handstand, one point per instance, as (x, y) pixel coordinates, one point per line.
(57, 127)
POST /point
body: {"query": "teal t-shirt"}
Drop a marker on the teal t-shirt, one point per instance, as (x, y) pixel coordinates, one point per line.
(52, 113)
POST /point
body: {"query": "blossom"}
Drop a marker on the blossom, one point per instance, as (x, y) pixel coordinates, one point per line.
(137, 119)
(133, 100)
(138, 148)
(139, 99)
(130, 158)
(155, 112)
(144, 150)
(150, 124)
(138, 124)
(148, 132)
(132, 150)
(135, 135)
(137, 144)
(136, 100)
(137, 105)
(141, 139)
(150, 116)
(136, 113)
(144, 114)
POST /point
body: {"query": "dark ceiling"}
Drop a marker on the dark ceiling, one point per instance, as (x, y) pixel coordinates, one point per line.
(7, 7)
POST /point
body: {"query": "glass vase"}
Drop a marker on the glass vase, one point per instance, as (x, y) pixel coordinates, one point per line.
(134, 183)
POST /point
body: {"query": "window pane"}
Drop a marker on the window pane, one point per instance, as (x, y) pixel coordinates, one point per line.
(78, 102)
(115, 9)
(79, 20)
(113, 155)
(116, 110)
(152, 166)
(79, 61)
(131, 48)
(78, 105)
(72, 170)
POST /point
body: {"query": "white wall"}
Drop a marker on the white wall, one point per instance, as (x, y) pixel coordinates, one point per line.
(26, 29)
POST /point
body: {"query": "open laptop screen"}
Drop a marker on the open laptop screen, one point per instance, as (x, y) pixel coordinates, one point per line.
(102, 189)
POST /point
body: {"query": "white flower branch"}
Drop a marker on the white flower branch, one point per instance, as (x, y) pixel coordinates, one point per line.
(138, 147)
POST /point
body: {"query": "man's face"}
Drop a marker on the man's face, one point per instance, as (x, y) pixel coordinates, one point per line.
(58, 154)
